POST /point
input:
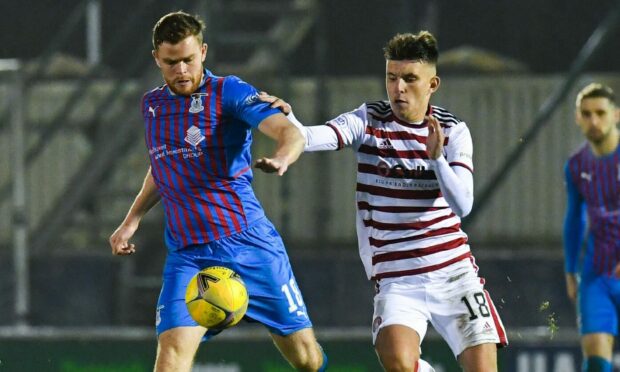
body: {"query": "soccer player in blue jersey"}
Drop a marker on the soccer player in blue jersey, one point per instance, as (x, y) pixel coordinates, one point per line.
(198, 131)
(593, 186)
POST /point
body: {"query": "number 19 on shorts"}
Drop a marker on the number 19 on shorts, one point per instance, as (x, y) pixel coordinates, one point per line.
(291, 290)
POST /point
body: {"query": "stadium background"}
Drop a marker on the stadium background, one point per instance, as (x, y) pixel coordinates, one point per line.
(72, 158)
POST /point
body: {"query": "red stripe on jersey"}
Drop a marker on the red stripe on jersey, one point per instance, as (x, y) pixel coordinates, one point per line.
(233, 193)
(429, 234)
(155, 129)
(236, 200)
(242, 171)
(172, 171)
(221, 159)
(340, 141)
(459, 164)
(501, 332)
(213, 227)
(407, 225)
(419, 252)
(399, 194)
(396, 209)
(184, 172)
(392, 153)
(421, 270)
(395, 135)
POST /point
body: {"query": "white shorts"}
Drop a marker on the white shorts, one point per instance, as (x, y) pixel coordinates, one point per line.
(453, 299)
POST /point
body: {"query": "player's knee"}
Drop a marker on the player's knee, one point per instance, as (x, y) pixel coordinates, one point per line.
(398, 362)
(172, 354)
(311, 359)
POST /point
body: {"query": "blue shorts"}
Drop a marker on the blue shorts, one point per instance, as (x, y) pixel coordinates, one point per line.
(599, 297)
(259, 257)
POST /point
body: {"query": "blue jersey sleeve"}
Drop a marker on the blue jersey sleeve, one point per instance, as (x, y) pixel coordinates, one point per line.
(574, 224)
(240, 100)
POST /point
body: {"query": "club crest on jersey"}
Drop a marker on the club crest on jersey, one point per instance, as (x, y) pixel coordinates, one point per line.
(194, 137)
(196, 105)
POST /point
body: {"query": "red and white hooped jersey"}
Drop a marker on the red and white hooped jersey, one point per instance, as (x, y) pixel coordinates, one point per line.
(404, 224)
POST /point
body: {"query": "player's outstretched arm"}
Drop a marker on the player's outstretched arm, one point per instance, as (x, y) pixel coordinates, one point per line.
(290, 144)
(317, 137)
(144, 201)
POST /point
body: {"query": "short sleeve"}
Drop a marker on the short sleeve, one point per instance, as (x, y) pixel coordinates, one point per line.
(240, 100)
(350, 127)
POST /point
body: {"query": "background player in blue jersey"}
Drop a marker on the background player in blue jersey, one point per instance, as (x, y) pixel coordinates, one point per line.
(198, 130)
(593, 185)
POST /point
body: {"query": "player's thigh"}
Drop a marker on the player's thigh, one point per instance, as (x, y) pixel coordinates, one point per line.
(397, 345)
(400, 321)
(598, 344)
(465, 316)
(275, 298)
(171, 311)
(479, 358)
(400, 303)
(176, 348)
(299, 347)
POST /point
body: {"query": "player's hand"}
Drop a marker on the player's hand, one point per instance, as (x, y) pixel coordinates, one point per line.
(435, 139)
(617, 271)
(119, 240)
(276, 102)
(571, 287)
(271, 165)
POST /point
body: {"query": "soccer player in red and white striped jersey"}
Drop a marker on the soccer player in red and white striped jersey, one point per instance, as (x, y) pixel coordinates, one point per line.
(414, 183)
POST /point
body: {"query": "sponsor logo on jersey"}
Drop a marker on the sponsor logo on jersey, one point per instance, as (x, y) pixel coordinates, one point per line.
(251, 99)
(385, 145)
(194, 137)
(152, 110)
(400, 171)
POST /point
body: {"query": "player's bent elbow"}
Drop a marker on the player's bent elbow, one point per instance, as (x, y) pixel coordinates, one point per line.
(463, 210)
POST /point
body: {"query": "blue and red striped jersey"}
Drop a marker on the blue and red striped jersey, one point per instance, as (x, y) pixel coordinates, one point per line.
(593, 185)
(199, 147)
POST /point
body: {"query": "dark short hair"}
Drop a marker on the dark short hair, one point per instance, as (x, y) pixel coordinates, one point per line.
(176, 26)
(595, 90)
(417, 47)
